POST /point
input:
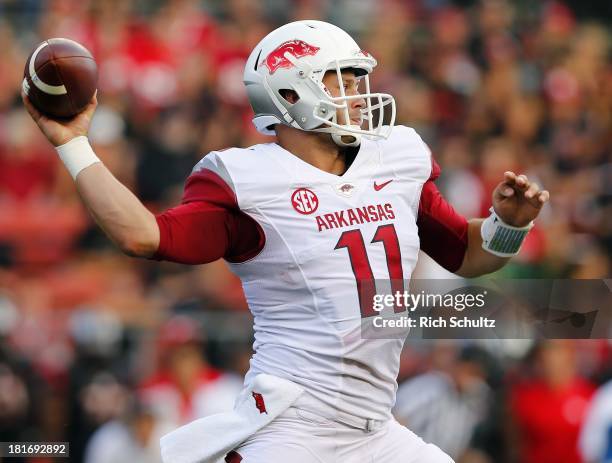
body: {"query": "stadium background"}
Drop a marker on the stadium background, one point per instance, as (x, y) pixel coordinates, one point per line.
(96, 343)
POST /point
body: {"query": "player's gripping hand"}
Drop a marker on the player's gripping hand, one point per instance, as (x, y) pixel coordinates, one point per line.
(59, 132)
(517, 201)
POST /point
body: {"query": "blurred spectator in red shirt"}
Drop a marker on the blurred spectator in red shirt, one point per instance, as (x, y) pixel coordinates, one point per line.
(28, 166)
(186, 387)
(548, 409)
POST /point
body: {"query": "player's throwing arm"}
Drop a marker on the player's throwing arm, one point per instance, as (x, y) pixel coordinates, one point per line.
(126, 221)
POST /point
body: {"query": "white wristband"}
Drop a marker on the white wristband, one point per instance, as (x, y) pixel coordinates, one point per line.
(76, 155)
(502, 239)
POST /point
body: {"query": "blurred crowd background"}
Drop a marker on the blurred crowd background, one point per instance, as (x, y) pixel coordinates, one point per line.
(108, 352)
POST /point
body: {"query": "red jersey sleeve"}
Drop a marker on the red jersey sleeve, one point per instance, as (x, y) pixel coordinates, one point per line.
(442, 231)
(208, 225)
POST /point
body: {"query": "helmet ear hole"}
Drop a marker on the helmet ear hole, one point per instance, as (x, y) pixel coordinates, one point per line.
(289, 95)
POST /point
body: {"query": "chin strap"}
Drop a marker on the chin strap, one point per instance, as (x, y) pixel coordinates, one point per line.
(344, 139)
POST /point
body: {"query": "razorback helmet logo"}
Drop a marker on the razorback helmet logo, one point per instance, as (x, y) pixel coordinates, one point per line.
(259, 402)
(276, 58)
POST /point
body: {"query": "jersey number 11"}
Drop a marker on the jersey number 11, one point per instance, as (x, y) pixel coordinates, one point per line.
(352, 240)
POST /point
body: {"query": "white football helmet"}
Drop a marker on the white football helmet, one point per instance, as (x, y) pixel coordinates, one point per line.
(296, 57)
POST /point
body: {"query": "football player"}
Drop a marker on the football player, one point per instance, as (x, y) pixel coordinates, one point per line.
(340, 199)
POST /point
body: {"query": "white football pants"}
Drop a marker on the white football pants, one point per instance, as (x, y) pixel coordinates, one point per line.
(300, 436)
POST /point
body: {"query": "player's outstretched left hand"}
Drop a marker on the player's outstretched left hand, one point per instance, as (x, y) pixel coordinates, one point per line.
(517, 201)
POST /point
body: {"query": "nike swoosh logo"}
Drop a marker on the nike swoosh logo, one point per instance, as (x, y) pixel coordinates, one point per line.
(382, 185)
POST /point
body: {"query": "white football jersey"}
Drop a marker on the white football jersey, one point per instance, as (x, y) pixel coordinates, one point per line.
(323, 234)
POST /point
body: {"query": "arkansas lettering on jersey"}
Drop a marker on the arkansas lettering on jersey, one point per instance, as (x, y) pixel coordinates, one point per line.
(357, 216)
(303, 241)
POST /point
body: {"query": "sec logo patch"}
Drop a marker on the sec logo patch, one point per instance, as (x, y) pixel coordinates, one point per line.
(304, 201)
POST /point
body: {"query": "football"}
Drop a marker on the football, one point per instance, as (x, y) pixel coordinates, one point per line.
(60, 77)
